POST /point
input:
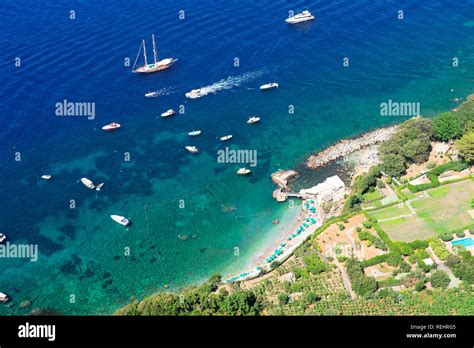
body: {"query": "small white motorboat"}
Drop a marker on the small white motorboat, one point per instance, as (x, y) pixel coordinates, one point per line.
(46, 177)
(168, 113)
(225, 137)
(120, 219)
(243, 171)
(87, 183)
(111, 126)
(195, 93)
(192, 149)
(3, 297)
(151, 94)
(194, 133)
(271, 85)
(2, 237)
(99, 187)
(300, 17)
(253, 120)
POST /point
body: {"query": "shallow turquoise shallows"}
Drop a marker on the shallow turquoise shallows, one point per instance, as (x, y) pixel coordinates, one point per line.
(191, 215)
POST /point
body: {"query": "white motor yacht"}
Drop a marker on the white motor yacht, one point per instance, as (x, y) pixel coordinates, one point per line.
(225, 137)
(87, 183)
(151, 94)
(3, 297)
(270, 85)
(253, 120)
(243, 171)
(111, 126)
(195, 93)
(192, 149)
(194, 133)
(300, 17)
(120, 219)
(168, 113)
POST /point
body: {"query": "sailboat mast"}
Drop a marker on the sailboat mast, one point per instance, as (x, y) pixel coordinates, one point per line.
(154, 47)
(144, 52)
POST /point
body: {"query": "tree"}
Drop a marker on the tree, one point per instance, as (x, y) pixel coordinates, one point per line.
(447, 126)
(465, 146)
(440, 279)
(420, 285)
(283, 298)
(314, 264)
(393, 164)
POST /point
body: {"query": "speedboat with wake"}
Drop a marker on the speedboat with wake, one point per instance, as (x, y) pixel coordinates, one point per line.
(300, 17)
(243, 171)
(192, 149)
(225, 137)
(194, 133)
(111, 126)
(195, 93)
(253, 120)
(120, 219)
(87, 183)
(271, 85)
(157, 65)
(151, 94)
(168, 113)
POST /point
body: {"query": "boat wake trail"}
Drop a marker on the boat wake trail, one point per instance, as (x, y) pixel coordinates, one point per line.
(225, 84)
(165, 91)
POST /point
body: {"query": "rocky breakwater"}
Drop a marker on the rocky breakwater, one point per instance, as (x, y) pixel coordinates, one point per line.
(347, 146)
(280, 178)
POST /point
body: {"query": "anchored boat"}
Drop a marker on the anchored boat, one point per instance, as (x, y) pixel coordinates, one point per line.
(3, 297)
(192, 149)
(111, 126)
(46, 177)
(243, 171)
(99, 187)
(300, 17)
(253, 120)
(168, 113)
(225, 137)
(157, 65)
(194, 133)
(87, 183)
(2, 237)
(120, 219)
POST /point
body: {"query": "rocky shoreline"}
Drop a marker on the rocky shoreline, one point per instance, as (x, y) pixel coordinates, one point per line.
(347, 146)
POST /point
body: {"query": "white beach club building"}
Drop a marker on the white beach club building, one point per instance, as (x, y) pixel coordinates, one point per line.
(332, 188)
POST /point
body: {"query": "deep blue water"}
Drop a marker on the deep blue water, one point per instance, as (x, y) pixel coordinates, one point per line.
(82, 250)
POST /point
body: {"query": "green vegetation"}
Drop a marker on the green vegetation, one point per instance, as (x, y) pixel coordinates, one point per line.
(439, 248)
(465, 146)
(440, 279)
(314, 264)
(372, 240)
(361, 284)
(462, 267)
(410, 144)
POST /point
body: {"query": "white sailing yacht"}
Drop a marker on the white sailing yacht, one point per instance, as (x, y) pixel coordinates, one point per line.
(156, 65)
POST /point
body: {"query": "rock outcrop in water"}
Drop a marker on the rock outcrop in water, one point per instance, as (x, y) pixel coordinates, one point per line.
(347, 146)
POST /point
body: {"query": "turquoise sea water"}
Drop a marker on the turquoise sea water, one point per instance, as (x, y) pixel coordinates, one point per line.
(82, 249)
